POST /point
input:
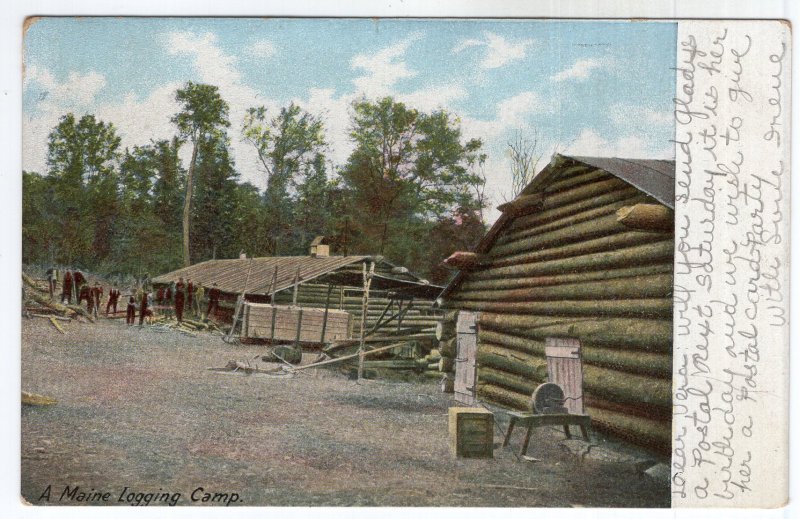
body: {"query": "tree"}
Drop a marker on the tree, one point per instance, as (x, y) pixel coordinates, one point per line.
(215, 202)
(202, 113)
(82, 157)
(525, 156)
(287, 145)
(407, 167)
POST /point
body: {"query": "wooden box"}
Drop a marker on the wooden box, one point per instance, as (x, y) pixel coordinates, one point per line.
(471, 432)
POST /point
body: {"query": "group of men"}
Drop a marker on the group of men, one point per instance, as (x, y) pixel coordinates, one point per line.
(179, 297)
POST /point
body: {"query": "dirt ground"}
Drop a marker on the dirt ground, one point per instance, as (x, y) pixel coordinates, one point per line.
(139, 414)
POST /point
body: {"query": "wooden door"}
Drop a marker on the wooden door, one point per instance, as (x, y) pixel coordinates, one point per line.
(564, 368)
(466, 354)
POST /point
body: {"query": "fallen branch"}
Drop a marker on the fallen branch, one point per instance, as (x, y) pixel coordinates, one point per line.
(347, 357)
(34, 399)
(56, 317)
(57, 326)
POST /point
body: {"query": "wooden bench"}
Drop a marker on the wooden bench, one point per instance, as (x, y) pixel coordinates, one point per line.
(541, 420)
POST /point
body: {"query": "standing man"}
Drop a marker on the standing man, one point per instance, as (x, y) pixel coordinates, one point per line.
(130, 315)
(85, 295)
(198, 300)
(52, 276)
(189, 295)
(96, 294)
(78, 280)
(180, 298)
(143, 310)
(113, 297)
(66, 289)
(213, 300)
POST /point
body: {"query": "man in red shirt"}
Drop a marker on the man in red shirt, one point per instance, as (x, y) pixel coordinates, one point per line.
(213, 300)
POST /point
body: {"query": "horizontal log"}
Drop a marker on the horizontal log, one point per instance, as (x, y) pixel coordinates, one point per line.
(564, 279)
(648, 217)
(641, 362)
(613, 242)
(461, 260)
(615, 385)
(637, 334)
(580, 232)
(506, 380)
(611, 308)
(656, 286)
(660, 414)
(496, 356)
(645, 254)
(521, 204)
(569, 220)
(587, 177)
(579, 206)
(582, 192)
(652, 434)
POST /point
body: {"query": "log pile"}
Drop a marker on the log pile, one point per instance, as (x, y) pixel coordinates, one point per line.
(187, 326)
(593, 259)
(446, 335)
(37, 303)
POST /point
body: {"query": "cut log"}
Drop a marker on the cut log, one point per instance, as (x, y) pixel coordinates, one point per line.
(56, 325)
(647, 217)
(448, 383)
(567, 221)
(580, 232)
(657, 286)
(506, 380)
(543, 217)
(646, 254)
(523, 204)
(565, 279)
(36, 399)
(503, 397)
(446, 364)
(641, 362)
(637, 334)
(462, 260)
(620, 240)
(495, 356)
(448, 348)
(611, 308)
(582, 192)
(67, 310)
(445, 330)
(651, 434)
(562, 184)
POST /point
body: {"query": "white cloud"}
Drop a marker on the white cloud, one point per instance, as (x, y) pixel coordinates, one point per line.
(382, 69)
(626, 115)
(590, 143)
(510, 114)
(580, 70)
(499, 51)
(210, 62)
(262, 49)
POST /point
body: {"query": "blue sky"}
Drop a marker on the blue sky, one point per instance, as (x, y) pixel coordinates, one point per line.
(591, 88)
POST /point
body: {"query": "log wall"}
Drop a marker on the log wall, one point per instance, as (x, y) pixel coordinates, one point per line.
(568, 267)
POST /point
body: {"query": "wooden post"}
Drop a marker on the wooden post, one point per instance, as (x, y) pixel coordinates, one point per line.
(341, 297)
(296, 279)
(364, 310)
(299, 327)
(325, 317)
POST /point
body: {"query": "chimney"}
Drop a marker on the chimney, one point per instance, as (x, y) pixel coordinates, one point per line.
(320, 249)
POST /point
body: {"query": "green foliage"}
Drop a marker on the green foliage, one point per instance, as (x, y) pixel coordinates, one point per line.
(411, 190)
(408, 171)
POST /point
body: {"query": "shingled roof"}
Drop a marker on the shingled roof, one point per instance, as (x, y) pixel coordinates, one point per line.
(254, 275)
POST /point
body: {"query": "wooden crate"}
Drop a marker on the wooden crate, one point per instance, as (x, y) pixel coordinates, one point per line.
(281, 323)
(471, 432)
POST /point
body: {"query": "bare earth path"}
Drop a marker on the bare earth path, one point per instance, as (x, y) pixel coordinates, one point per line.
(137, 409)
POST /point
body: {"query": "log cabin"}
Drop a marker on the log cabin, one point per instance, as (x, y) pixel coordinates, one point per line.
(585, 252)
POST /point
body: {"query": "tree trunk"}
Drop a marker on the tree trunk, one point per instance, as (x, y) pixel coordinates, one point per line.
(187, 205)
